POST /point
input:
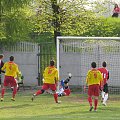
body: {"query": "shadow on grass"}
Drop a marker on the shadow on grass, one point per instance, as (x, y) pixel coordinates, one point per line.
(110, 108)
(17, 106)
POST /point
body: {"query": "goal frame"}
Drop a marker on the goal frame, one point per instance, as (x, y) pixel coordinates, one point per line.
(76, 37)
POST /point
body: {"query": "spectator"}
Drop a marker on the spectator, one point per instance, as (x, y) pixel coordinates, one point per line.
(116, 11)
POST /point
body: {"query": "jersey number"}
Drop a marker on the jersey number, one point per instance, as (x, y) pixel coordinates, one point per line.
(104, 75)
(49, 71)
(10, 67)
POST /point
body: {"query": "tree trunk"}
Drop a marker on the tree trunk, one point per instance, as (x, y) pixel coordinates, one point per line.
(56, 24)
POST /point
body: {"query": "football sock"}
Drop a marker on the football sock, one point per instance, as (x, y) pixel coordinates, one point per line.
(103, 94)
(90, 101)
(38, 92)
(95, 103)
(56, 97)
(14, 92)
(3, 92)
(105, 98)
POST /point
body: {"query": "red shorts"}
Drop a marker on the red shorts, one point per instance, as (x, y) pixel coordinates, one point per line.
(67, 92)
(93, 90)
(9, 80)
(46, 86)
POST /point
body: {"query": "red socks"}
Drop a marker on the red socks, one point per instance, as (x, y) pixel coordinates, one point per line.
(56, 97)
(38, 92)
(95, 103)
(14, 92)
(90, 101)
(3, 92)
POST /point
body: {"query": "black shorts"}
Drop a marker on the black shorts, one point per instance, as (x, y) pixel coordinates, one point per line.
(105, 89)
(115, 15)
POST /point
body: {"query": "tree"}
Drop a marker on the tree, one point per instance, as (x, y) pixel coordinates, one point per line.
(15, 21)
(63, 17)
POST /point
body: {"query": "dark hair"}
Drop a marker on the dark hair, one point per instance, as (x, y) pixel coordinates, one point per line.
(52, 62)
(116, 6)
(93, 64)
(104, 64)
(11, 58)
(1, 56)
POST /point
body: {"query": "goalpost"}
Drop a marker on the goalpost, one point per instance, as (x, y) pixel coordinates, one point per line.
(75, 54)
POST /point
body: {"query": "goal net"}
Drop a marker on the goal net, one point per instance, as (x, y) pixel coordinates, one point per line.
(75, 54)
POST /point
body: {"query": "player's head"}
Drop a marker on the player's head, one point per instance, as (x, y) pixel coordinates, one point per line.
(116, 6)
(104, 64)
(1, 56)
(93, 64)
(52, 63)
(11, 58)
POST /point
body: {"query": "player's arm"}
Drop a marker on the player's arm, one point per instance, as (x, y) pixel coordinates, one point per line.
(108, 75)
(17, 70)
(86, 81)
(44, 73)
(3, 68)
(56, 77)
(2, 64)
(87, 78)
(101, 80)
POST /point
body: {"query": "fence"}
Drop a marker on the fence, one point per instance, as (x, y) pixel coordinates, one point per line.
(32, 59)
(75, 55)
(25, 54)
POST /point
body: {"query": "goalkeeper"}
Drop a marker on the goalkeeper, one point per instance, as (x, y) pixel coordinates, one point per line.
(19, 79)
(64, 89)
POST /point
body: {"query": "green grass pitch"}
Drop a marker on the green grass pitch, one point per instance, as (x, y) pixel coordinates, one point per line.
(73, 107)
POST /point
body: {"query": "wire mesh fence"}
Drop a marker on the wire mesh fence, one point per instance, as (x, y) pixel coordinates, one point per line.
(76, 54)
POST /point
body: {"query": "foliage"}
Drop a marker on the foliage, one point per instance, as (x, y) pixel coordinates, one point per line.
(41, 20)
(104, 27)
(71, 18)
(15, 20)
(75, 19)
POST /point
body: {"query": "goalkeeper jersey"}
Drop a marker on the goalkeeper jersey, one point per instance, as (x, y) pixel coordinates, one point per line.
(11, 69)
(50, 75)
(94, 77)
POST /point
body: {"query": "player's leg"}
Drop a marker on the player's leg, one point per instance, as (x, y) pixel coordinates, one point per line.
(67, 91)
(3, 92)
(13, 84)
(44, 87)
(53, 88)
(96, 95)
(90, 93)
(95, 103)
(14, 93)
(55, 96)
(5, 84)
(103, 95)
(101, 87)
(106, 94)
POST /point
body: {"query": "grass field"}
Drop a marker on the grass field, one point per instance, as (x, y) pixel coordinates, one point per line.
(74, 107)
